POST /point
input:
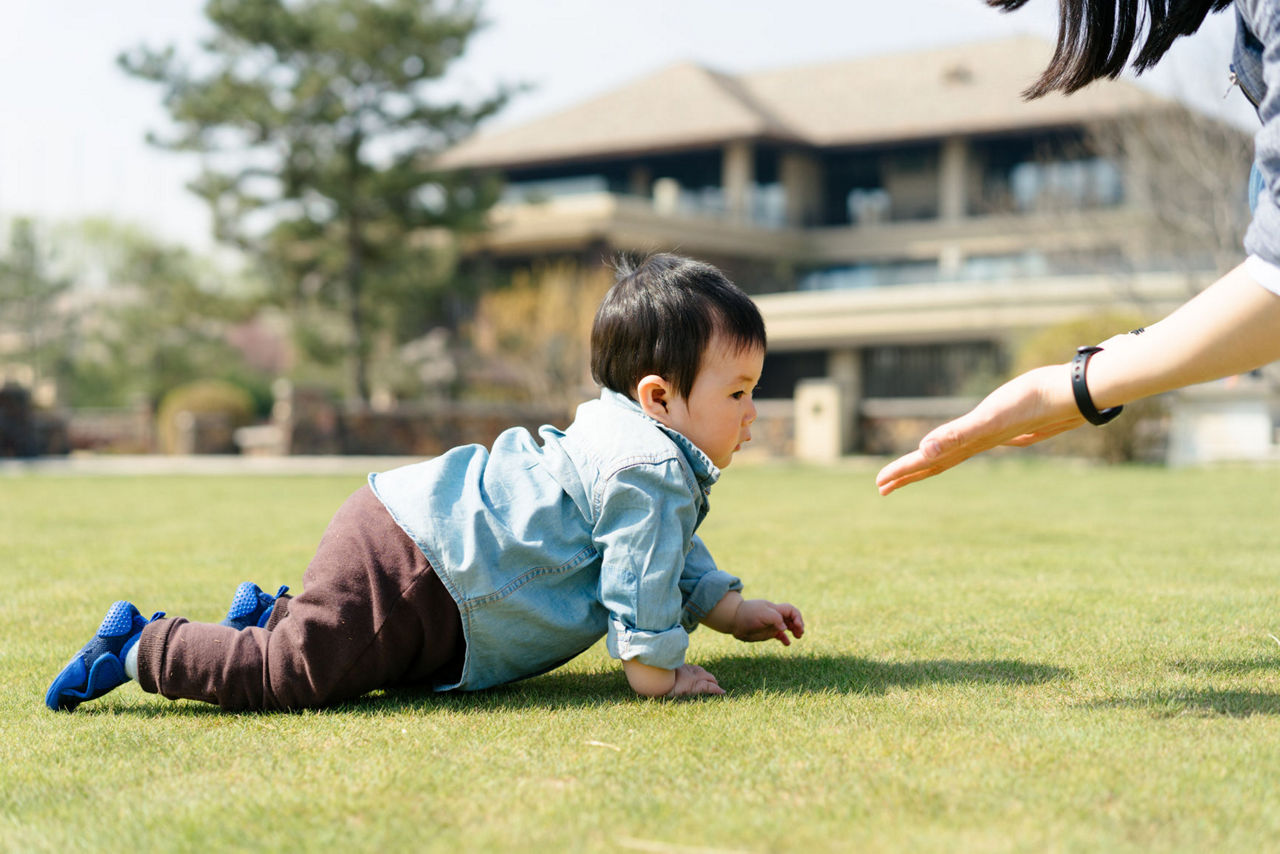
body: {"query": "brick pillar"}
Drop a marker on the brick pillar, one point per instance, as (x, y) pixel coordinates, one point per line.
(737, 177)
(953, 179)
(801, 176)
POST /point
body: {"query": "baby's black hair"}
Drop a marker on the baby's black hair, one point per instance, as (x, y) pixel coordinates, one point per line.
(659, 318)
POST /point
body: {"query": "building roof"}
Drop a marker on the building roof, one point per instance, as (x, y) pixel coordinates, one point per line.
(963, 89)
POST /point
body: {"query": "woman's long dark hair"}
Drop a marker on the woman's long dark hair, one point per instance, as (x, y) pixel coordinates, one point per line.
(1096, 37)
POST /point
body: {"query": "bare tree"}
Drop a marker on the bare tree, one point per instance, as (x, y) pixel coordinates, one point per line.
(533, 336)
(1190, 171)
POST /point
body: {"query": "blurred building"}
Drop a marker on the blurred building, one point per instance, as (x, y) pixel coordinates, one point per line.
(903, 221)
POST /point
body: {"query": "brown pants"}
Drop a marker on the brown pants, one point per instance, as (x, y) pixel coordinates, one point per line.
(372, 614)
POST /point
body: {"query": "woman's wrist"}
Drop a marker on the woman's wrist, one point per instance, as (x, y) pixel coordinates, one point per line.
(1080, 389)
(1106, 369)
(1229, 328)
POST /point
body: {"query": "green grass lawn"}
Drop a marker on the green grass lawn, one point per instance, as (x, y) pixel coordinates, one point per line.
(1016, 656)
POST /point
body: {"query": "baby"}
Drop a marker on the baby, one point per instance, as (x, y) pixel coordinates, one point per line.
(481, 567)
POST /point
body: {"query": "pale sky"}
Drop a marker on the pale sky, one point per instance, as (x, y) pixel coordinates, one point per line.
(72, 126)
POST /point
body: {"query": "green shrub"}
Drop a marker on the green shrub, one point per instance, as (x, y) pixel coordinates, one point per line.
(217, 402)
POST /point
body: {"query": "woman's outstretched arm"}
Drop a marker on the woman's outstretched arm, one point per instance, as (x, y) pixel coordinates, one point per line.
(1233, 326)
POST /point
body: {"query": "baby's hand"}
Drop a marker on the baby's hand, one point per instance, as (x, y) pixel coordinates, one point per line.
(692, 680)
(761, 620)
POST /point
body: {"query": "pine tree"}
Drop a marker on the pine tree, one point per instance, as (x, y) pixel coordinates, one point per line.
(316, 121)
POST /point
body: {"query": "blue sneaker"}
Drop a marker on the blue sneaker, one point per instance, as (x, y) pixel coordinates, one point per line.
(99, 666)
(251, 607)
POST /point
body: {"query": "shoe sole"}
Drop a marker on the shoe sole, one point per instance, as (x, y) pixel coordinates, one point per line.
(104, 675)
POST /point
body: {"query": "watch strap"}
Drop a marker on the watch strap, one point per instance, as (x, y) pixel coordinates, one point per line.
(1084, 402)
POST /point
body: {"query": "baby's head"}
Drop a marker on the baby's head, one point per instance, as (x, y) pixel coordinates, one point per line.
(669, 322)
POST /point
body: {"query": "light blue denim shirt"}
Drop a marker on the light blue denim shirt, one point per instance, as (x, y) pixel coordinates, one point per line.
(1255, 61)
(546, 548)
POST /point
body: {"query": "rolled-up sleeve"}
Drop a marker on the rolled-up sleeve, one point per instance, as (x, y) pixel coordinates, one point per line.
(645, 522)
(702, 584)
(1264, 273)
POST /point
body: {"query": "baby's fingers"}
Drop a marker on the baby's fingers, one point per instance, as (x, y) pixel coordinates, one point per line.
(692, 680)
(791, 614)
(706, 686)
(701, 674)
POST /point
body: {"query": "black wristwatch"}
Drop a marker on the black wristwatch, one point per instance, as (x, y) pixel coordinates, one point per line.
(1083, 400)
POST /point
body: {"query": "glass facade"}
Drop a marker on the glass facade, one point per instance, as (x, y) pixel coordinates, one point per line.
(1043, 172)
(930, 370)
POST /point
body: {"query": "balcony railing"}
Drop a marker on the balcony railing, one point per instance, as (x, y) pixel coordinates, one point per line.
(917, 248)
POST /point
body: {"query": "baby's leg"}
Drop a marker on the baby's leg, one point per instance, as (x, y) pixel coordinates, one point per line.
(372, 613)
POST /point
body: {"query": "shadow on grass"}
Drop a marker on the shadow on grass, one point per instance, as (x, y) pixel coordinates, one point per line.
(737, 674)
(854, 675)
(1177, 702)
(1206, 702)
(1239, 666)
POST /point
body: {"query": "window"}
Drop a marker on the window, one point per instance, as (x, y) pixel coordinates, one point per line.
(930, 370)
(783, 371)
(1047, 172)
(533, 192)
(1066, 184)
(872, 275)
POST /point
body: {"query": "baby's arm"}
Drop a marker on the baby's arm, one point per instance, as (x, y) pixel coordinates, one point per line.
(745, 619)
(686, 680)
(755, 619)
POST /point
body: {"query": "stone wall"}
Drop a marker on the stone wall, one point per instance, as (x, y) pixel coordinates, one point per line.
(425, 431)
(117, 431)
(308, 422)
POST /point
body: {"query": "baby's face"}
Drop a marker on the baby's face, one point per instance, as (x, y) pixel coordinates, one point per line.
(718, 413)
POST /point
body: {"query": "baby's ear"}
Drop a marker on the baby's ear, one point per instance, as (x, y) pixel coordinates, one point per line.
(653, 393)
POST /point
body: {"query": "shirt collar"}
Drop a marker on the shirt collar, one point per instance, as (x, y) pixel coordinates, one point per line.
(706, 472)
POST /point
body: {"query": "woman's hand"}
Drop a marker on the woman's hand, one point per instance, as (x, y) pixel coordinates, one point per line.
(1028, 409)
